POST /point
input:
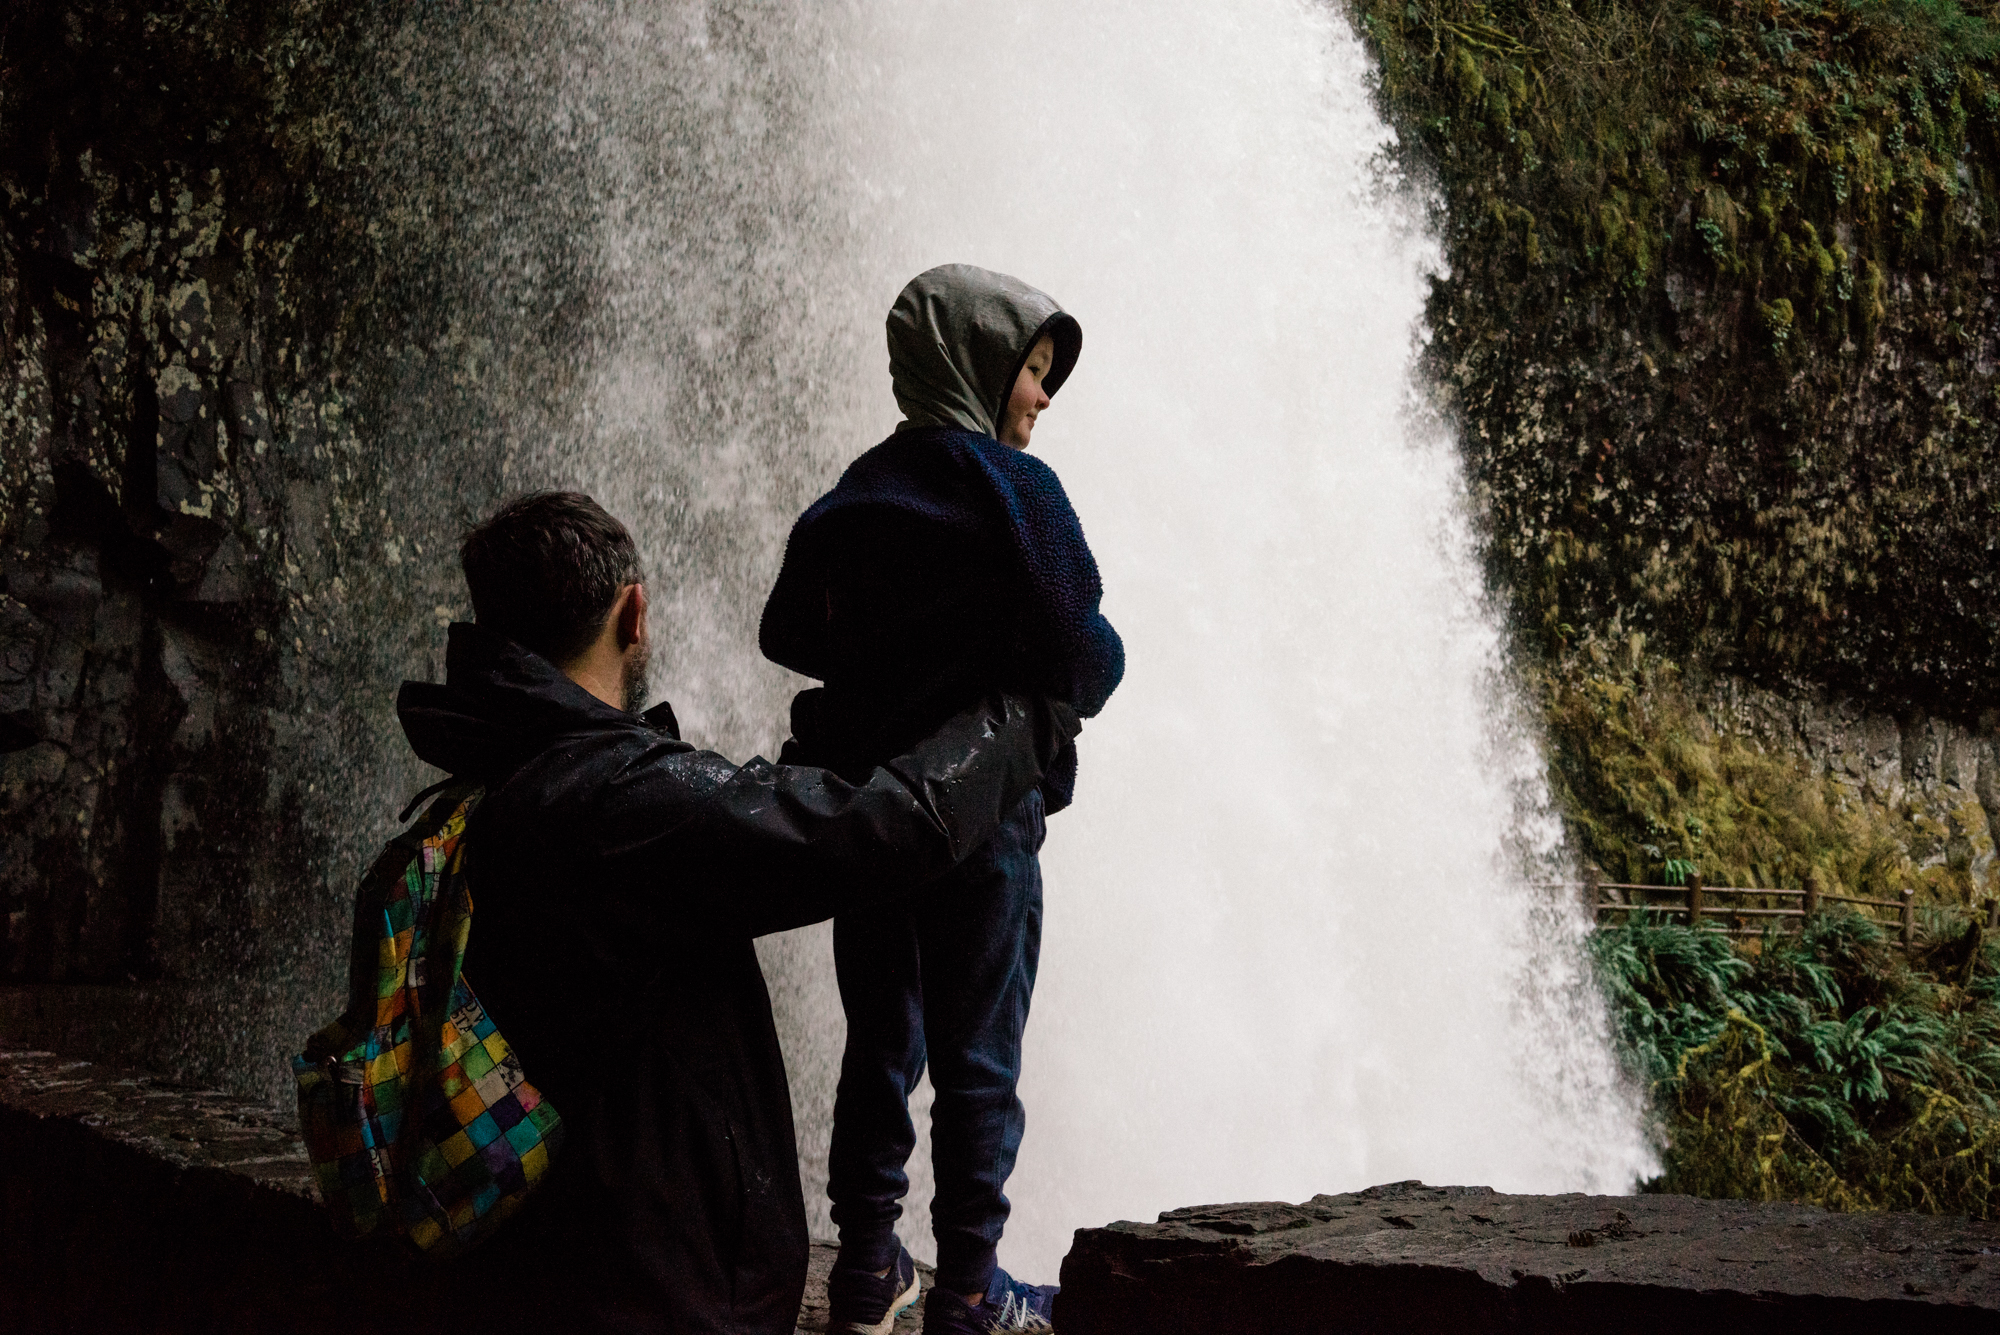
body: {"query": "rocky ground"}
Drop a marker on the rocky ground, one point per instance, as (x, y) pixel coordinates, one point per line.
(95, 1159)
(1407, 1257)
(122, 1194)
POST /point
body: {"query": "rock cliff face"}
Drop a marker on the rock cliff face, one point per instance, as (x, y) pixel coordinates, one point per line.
(259, 319)
(1721, 342)
(171, 459)
(1939, 779)
(1720, 328)
(1406, 1257)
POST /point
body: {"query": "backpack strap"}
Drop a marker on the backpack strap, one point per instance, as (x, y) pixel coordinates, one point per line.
(386, 871)
(418, 800)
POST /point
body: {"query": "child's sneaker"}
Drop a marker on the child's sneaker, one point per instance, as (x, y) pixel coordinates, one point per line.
(868, 1304)
(1010, 1306)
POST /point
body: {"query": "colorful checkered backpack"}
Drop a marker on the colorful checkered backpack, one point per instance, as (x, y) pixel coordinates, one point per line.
(414, 1110)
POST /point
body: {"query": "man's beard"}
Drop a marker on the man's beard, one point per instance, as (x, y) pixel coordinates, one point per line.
(635, 677)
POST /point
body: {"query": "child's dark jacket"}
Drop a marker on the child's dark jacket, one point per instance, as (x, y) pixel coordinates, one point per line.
(943, 565)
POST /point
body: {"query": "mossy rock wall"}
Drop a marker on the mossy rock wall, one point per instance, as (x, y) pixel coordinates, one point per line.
(1720, 329)
(1755, 787)
(265, 351)
(1721, 340)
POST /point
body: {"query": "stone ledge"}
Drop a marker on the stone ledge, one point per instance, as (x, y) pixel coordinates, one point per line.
(185, 1130)
(228, 1033)
(1407, 1257)
(127, 1204)
(131, 1204)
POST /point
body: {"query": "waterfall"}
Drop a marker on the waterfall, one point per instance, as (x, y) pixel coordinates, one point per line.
(1290, 941)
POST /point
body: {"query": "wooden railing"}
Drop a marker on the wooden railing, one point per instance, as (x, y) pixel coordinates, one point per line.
(1703, 905)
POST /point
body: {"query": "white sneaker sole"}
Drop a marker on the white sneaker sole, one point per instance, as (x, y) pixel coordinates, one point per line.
(903, 1303)
(1017, 1317)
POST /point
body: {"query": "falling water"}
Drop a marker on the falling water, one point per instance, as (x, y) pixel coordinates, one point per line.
(1290, 944)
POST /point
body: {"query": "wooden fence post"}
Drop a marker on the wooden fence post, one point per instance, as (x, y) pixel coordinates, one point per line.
(1909, 918)
(1974, 947)
(1694, 901)
(1993, 915)
(1812, 893)
(1591, 894)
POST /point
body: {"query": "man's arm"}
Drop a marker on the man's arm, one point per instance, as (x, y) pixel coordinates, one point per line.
(780, 846)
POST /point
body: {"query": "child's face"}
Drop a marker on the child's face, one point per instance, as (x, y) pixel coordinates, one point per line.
(1025, 404)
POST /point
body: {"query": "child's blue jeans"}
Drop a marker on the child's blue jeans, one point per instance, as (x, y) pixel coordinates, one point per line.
(948, 980)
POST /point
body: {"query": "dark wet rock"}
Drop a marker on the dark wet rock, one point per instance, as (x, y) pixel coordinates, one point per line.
(213, 567)
(1408, 1257)
(143, 584)
(131, 1204)
(184, 1130)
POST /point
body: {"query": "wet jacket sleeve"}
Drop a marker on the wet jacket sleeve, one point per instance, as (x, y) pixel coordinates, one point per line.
(780, 846)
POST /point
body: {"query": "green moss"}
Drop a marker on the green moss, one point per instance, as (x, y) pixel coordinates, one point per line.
(1642, 777)
(1715, 324)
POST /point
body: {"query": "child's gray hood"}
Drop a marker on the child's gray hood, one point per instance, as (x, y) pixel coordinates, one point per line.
(958, 336)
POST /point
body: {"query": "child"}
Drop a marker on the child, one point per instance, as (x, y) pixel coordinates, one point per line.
(947, 562)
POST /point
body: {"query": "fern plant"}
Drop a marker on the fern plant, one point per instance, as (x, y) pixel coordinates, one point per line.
(1825, 1066)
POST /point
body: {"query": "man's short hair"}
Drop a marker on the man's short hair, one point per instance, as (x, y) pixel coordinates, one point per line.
(546, 568)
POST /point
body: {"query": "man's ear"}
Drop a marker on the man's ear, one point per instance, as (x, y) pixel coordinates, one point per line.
(631, 614)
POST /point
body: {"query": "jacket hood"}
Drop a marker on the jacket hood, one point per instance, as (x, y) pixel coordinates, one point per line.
(958, 336)
(500, 706)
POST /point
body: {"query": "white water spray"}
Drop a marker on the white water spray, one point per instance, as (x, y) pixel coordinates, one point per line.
(1289, 946)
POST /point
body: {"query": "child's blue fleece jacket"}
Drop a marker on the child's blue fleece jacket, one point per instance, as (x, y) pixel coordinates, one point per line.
(942, 565)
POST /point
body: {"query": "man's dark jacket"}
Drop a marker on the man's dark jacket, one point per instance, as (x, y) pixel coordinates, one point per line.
(618, 879)
(942, 565)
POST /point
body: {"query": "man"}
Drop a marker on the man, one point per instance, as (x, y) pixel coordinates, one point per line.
(619, 877)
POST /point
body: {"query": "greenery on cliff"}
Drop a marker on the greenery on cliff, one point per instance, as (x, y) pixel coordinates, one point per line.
(1645, 777)
(1720, 329)
(1721, 342)
(1826, 1067)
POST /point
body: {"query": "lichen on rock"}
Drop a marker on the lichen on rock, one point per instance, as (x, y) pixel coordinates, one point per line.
(221, 265)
